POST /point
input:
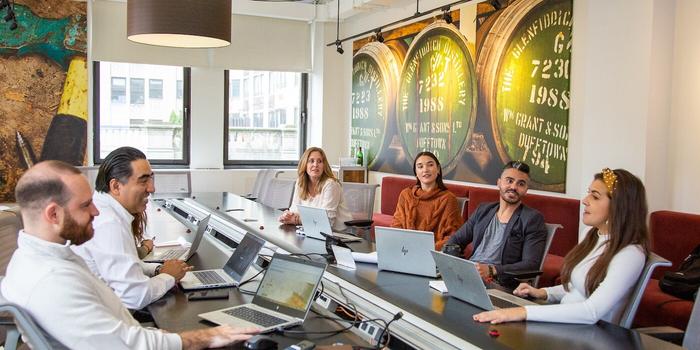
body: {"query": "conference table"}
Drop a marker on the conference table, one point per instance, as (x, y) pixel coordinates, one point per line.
(430, 319)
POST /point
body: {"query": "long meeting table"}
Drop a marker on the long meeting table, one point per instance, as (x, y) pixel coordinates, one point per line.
(430, 319)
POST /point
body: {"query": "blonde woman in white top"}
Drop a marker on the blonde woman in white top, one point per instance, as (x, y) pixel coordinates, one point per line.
(599, 274)
(317, 187)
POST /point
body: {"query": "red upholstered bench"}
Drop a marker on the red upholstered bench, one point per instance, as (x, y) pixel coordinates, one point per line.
(674, 235)
(392, 187)
(556, 210)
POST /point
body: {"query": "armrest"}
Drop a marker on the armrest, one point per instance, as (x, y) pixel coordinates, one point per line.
(524, 274)
(667, 333)
(361, 223)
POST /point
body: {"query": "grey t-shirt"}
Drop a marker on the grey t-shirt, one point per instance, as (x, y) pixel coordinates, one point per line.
(489, 251)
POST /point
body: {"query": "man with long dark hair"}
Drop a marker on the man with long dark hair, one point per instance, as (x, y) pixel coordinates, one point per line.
(123, 185)
(508, 236)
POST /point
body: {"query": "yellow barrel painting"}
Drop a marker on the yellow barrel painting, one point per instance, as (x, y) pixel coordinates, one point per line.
(524, 69)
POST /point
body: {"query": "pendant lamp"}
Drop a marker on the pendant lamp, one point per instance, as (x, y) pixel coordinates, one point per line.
(179, 23)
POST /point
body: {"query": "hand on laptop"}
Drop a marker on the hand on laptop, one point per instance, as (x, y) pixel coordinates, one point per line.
(175, 268)
(148, 244)
(502, 315)
(525, 290)
(216, 337)
(289, 217)
(484, 271)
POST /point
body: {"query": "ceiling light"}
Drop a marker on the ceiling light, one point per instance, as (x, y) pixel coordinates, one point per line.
(339, 47)
(179, 23)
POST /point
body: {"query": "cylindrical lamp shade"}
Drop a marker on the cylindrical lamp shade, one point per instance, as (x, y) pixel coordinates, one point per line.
(179, 23)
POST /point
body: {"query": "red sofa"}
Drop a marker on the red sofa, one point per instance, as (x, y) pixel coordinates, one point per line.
(556, 210)
(674, 235)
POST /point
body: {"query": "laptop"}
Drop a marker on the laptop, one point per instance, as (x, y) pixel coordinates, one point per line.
(160, 256)
(464, 283)
(406, 251)
(317, 225)
(232, 273)
(283, 298)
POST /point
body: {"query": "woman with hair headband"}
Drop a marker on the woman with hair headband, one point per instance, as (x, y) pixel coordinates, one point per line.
(598, 274)
(317, 187)
(428, 205)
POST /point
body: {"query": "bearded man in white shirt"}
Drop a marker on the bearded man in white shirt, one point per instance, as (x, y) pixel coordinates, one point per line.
(45, 277)
(124, 182)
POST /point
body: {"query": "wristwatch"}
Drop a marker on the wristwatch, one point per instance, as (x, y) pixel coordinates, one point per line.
(492, 270)
(158, 269)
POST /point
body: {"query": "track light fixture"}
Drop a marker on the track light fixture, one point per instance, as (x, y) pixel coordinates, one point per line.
(339, 47)
(377, 31)
(378, 35)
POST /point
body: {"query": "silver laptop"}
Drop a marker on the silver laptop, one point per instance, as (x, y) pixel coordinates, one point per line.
(316, 223)
(403, 250)
(233, 272)
(283, 298)
(463, 282)
(159, 256)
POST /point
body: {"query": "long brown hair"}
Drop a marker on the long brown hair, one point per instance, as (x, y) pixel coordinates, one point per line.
(627, 222)
(138, 226)
(303, 179)
(438, 180)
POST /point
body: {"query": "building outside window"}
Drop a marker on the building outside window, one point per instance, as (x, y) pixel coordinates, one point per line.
(264, 124)
(157, 125)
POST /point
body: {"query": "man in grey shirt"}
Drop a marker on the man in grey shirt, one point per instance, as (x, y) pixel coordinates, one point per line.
(507, 235)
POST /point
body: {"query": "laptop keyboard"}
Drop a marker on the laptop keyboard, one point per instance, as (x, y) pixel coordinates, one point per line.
(208, 277)
(172, 254)
(255, 316)
(501, 303)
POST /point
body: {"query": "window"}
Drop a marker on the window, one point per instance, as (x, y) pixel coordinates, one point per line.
(136, 91)
(178, 90)
(155, 88)
(269, 128)
(158, 126)
(118, 90)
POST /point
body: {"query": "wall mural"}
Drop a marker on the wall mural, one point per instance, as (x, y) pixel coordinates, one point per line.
(475, 105)
(43, 87)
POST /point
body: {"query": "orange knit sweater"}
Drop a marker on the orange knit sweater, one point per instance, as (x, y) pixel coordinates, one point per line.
(436, 211)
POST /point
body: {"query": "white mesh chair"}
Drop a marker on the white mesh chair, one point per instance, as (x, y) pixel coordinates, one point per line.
(174, 183)
(551, 230)
(278, 193)
(653, 261)
(91, 173)
(10, 224)
(16, 320)
(261, 183)
(359, 199)
(690, 339)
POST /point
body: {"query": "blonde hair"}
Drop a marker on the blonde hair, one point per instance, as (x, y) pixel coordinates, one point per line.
(303, 179)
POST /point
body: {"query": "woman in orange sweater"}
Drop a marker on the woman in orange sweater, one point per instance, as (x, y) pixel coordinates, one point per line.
(428, 205)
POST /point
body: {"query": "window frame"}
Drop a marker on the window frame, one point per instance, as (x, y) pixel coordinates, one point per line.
(303, 120)
(150, 89)
(186, 121)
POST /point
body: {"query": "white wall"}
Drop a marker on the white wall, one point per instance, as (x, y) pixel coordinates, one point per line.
(684, 140)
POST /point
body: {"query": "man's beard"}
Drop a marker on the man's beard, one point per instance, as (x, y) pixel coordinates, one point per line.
(77, 234)
(504, 196)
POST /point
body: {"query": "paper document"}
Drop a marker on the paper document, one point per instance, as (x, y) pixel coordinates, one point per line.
(365, 257)
(181, 241)
(439, 286)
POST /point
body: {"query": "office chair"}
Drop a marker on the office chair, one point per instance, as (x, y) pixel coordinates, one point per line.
(171, 183)
(16, 320)
(261, 182)
(688, 339)
(278, 193)
(551, 230)
(359, 199)
(653, 261)
(10, 224)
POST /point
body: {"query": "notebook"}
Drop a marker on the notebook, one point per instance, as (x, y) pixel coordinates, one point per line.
(283, 298)
(317, 225)
(160, 256)
(232, 273)
(463, 282)
(406, 251)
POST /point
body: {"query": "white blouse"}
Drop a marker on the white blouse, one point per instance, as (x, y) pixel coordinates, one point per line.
(607, 302)
(331, 199)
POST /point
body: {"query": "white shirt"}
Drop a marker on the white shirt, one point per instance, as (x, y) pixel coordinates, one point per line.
(607, 302)
(111, 255)
(73, 307)
(331, 199)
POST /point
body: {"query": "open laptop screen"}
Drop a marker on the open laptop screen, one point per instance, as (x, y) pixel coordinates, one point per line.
(243, 256)
(289, 285)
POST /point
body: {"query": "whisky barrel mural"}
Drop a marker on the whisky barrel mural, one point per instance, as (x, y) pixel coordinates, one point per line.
(476, 112)
(437, 98)
(375, 71)
(524, 69)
